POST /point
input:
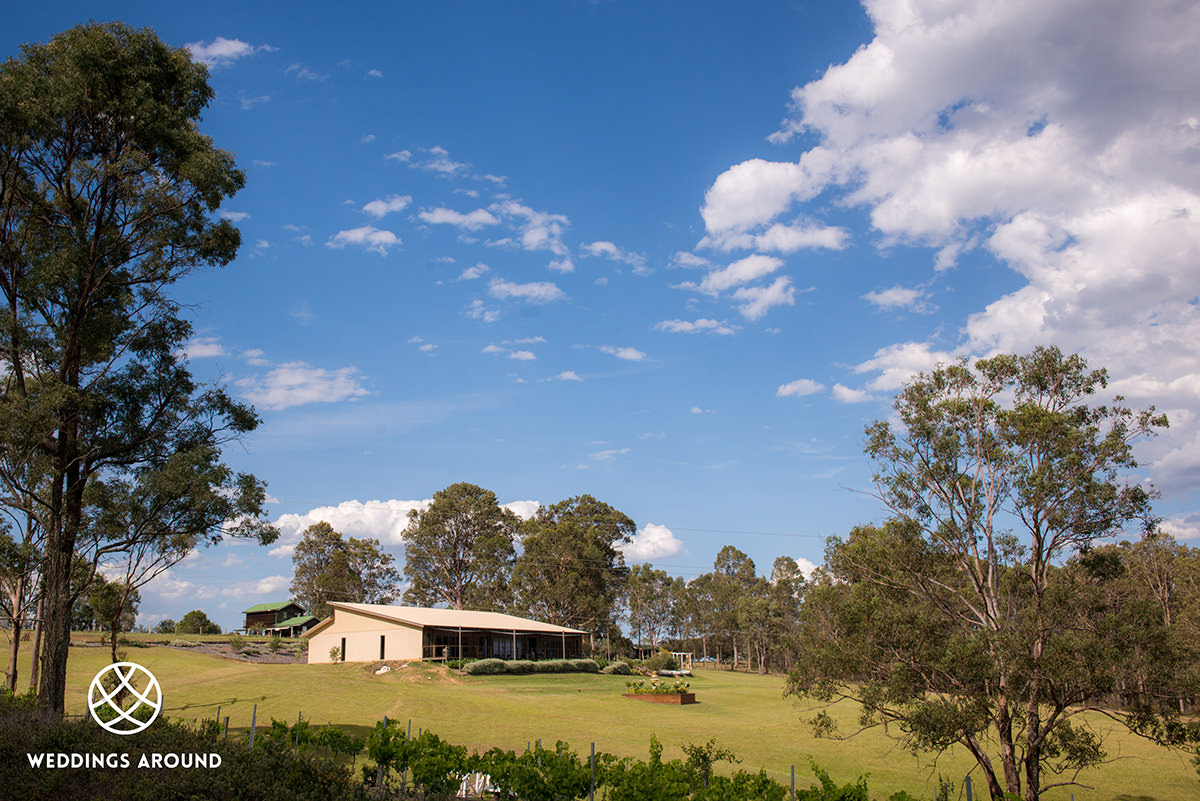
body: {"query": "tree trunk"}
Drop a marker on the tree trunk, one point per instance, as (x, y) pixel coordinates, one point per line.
(16, 604)
(37, 645)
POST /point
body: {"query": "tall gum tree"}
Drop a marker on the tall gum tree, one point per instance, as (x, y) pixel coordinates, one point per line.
(107, 197)
(955, 621)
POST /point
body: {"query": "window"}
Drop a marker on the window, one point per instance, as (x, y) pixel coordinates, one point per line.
(381, 649)
(343, 659)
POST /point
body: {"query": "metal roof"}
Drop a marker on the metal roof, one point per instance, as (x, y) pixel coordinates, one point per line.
(271, 607)
(452, 618)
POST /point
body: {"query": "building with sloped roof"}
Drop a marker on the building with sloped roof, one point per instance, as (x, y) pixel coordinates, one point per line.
(373, 632)
(269, 615)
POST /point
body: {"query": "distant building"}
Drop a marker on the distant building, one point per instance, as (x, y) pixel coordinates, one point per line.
(285, 618)
(370, 632)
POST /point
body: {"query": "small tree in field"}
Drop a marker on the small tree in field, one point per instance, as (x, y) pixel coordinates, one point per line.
(959, 621)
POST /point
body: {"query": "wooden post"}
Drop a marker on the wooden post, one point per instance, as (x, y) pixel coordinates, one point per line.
(226, 727)
(592, 763)
(968, 785)
(564, 642)
(253, 721)
(460, 653)
(793, 783)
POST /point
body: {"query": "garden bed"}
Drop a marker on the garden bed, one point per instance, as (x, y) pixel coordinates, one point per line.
(676, 699)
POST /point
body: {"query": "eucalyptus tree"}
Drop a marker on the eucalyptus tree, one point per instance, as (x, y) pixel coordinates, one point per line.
(571, 570)
(460, 549)
(955, 621)
(330, 567)
(108, 196)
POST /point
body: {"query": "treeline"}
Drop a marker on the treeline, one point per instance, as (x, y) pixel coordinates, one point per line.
(563, 566)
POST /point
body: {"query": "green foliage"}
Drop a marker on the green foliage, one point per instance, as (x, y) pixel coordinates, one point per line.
(236, 641)
(617, 669)
(335, 654)
(328, 566)
(538, 775)
(269, 771)
(663, 660)
(274, 644)
(459, 550)
(486, 667)
(165, 626)
(585, 665)
(657, 687)
(196, 622)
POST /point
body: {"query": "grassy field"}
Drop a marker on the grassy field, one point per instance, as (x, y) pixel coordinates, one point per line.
(745, 713)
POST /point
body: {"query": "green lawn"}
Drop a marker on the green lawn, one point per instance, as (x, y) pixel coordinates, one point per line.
(745, 713)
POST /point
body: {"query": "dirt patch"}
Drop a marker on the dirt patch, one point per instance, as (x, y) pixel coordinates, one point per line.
(258, 654)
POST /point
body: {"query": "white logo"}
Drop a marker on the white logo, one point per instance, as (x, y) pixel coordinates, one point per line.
(106, 703)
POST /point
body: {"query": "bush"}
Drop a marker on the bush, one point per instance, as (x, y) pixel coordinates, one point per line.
(522, 666)
(555, 666)
(184, 644)
(586, 665)
(237, 642)
(617, 669)
(275, 643)
(662, 661)
(486, 667)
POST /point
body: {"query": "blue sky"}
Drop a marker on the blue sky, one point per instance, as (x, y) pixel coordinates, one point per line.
(672, 255)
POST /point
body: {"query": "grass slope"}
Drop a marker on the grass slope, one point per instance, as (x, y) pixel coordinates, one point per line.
(745, 713)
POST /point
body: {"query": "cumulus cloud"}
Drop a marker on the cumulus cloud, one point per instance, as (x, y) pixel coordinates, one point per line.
(523, 355)
(298, 383)
(367, 237)
(233, 216)
(799, 388)
(471, 273)
(203, 347)
(700, 326)
(652, 542)
(611, 252)
(743, 271)
(535, 292)
(757, 301)
(222, 52)
(561, 266)
(899, 297)
(378, 208)
(537, 230)
(568, 375)
(471, 221)
(381, 520)
(522, 509)
(608, 455)
(844, 394)
(628, 354)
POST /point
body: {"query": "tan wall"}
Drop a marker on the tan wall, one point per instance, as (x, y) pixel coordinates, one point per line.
(362, 635)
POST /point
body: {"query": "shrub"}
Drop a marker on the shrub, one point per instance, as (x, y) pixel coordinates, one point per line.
(617, 669)
(184, 643)
(486, 667)
(275, 643)
(521, 666)
(662, 661)
(555, 666)
(237, 642)
(586, 665)
(335, 654)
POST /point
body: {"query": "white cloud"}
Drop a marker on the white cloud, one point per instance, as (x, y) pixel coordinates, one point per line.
(799, 388)
(233, 216)
(478, 310)
(896, 364)
(844, 394)
(534, 292)
(368, 237)
(739, 272)
(561, 266)
(374, 74)
(222, 52)
(471, 273)
(298, 383)
(381, 520)
(304, 73)
(263, 587)
(402, 156)
(700, 326)
(628, 354)
(472, 221)
(613, 253)
(899, 297)
(203, 347)
(538, 230)
(168, 585)
(522, 509)
(522, 355)
(698, 410)
(608, 455)
(652, 542)
(756, 301)
(367, 139)
(439, 161)
(568, 375)
(378, 208)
